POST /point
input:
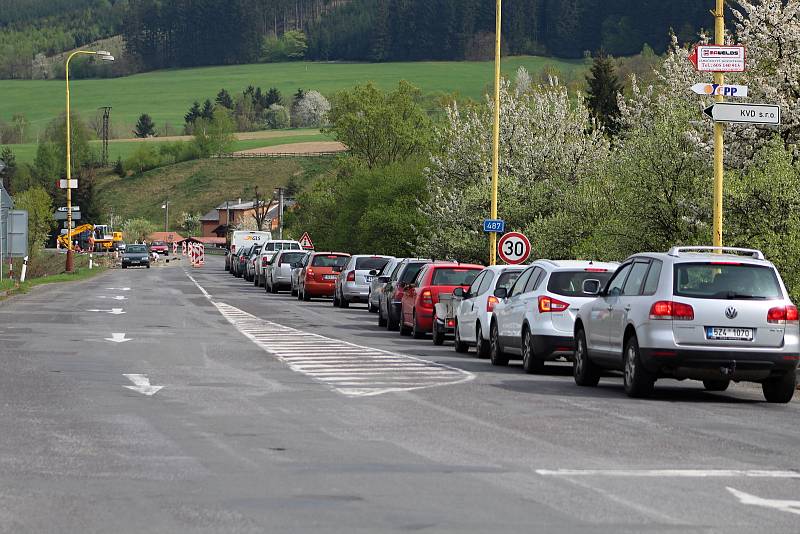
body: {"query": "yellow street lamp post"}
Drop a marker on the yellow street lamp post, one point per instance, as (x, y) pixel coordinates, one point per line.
(496, 132)
(105, 56)
(719, 130)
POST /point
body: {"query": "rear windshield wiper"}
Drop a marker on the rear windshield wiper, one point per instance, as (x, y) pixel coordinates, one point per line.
(731, 295)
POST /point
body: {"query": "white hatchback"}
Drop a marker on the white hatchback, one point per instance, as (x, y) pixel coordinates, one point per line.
(473, 308)
(535, 319)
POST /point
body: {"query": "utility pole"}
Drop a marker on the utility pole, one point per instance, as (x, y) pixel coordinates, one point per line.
(496, 131)
(166, 215)
(280, 213)
(719, 130)
(105, 128)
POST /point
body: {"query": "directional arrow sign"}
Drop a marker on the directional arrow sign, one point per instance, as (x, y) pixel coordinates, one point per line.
(745, 113)
(713, 89)
(118, 338)
(792, 507)
(141, 384)
(112, 311)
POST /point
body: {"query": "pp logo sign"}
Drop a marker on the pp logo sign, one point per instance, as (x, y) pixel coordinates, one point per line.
(714, 89)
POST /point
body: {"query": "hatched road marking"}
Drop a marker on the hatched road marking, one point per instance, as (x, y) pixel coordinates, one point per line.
(353, 370)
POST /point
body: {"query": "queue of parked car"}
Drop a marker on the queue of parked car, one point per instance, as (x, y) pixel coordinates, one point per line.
(701, 313)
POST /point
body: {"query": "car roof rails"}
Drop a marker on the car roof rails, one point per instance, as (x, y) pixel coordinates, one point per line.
(757, 254)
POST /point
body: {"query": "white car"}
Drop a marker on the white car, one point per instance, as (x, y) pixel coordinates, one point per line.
(271, 248)
(535, 319)
(279, 272)
(474, 310)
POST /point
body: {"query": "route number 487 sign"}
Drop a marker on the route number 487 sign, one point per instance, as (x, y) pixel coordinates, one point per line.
(514, 248)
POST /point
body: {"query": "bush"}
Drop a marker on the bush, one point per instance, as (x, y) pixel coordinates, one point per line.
(291, 46)
(278, 117)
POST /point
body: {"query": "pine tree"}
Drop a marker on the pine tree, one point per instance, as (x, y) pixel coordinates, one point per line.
(224, 99)
(193, 114)
(208, 110)
(145, 127)
(604, 89)
(273, 97)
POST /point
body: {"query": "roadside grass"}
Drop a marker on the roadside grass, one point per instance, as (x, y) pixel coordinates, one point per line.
(166, 95)
(200, 185)
(124, 149)
(48, 268)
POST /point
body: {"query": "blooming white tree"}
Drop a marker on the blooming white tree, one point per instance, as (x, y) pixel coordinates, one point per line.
(548, 143)
(311, 111)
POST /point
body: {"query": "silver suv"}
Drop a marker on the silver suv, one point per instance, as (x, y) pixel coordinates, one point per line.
(703, 313)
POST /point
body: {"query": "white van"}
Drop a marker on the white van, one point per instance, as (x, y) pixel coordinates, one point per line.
(245, 238)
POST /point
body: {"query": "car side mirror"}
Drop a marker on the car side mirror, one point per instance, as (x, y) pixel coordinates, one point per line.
(501, 292)
(459, 293)
(591, 287)
(374, 272)
(337, 269)
(384, 279)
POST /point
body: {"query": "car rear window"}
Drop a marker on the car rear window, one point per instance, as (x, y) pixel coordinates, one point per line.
(411, 272)
(454, 276)
(370, 264)
(136, 249)
(570, 283)
(292, 257)
(726, 280)
(157, 243)
(329, 260)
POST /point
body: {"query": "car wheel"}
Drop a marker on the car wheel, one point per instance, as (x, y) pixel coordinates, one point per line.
(343, 302)
(273, 288)
(370, 307)
(584, 370)
(418, 334)
(438, 335)
(638, 382)
(381, 318)
(124, 266)
(780, 389)
(496, 354)
(294, 292)
(335, 299)
(306, 296)
(148, 265)
(531, 363)
(459, 345)
(256, 281)
(483, 348)
(716, 385)
(404, 330)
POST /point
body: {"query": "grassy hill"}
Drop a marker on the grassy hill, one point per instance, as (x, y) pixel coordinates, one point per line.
(198, 186)
(166, 95)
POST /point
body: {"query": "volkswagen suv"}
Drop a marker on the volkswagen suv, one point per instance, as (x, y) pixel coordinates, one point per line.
(704, 313)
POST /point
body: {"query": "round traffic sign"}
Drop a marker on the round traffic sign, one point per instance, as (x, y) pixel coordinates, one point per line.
(514, 248)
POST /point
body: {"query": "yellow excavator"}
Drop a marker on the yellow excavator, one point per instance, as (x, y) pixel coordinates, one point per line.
(102, 241)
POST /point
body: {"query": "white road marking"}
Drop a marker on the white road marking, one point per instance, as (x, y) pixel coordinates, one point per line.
(350, 369)
(670, 473)
(792, 507)
(112, 311)
(118, 288)
(141, 384)
(118, 338)
(118, 297)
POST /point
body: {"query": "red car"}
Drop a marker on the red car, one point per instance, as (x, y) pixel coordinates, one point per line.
(419, 298)
(160, 247)
(318, 277)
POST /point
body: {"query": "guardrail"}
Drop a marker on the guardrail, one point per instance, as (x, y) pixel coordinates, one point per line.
(280, 155)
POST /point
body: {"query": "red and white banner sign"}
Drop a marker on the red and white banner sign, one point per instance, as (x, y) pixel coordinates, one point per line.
(714, 58)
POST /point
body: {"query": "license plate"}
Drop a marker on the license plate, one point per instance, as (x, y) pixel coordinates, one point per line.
(329, 277)
(729, 334)
(369, 279)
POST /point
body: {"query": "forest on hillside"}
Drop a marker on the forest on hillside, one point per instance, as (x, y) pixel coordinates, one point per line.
(182, 33)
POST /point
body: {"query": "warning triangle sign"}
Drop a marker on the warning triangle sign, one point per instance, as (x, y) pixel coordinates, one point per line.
(306, 242)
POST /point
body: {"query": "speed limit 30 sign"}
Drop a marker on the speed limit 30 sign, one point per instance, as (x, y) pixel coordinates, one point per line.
(514, 248)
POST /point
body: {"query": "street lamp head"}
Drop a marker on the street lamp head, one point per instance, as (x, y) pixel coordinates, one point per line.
(105, 56)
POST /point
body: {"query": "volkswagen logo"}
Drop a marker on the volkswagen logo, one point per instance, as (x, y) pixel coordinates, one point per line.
(731, 313)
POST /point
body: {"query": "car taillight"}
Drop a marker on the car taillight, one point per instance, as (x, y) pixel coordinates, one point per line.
(351, 276)
(310, 273)
(427, 298)
(551, 305)
(233, 249)
(451, 323)
(669, 310)
(264, 261)
(242, 259)
(783, 315)
(491, 303)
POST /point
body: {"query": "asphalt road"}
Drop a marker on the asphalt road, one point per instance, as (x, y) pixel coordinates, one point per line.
(280, 416)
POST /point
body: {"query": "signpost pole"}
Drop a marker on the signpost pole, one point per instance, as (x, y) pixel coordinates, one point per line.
(496, 132)
(719, 131)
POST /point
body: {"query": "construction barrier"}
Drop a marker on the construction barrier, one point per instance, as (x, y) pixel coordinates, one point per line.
(174, 249)
(183, 248)
(197, 254)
